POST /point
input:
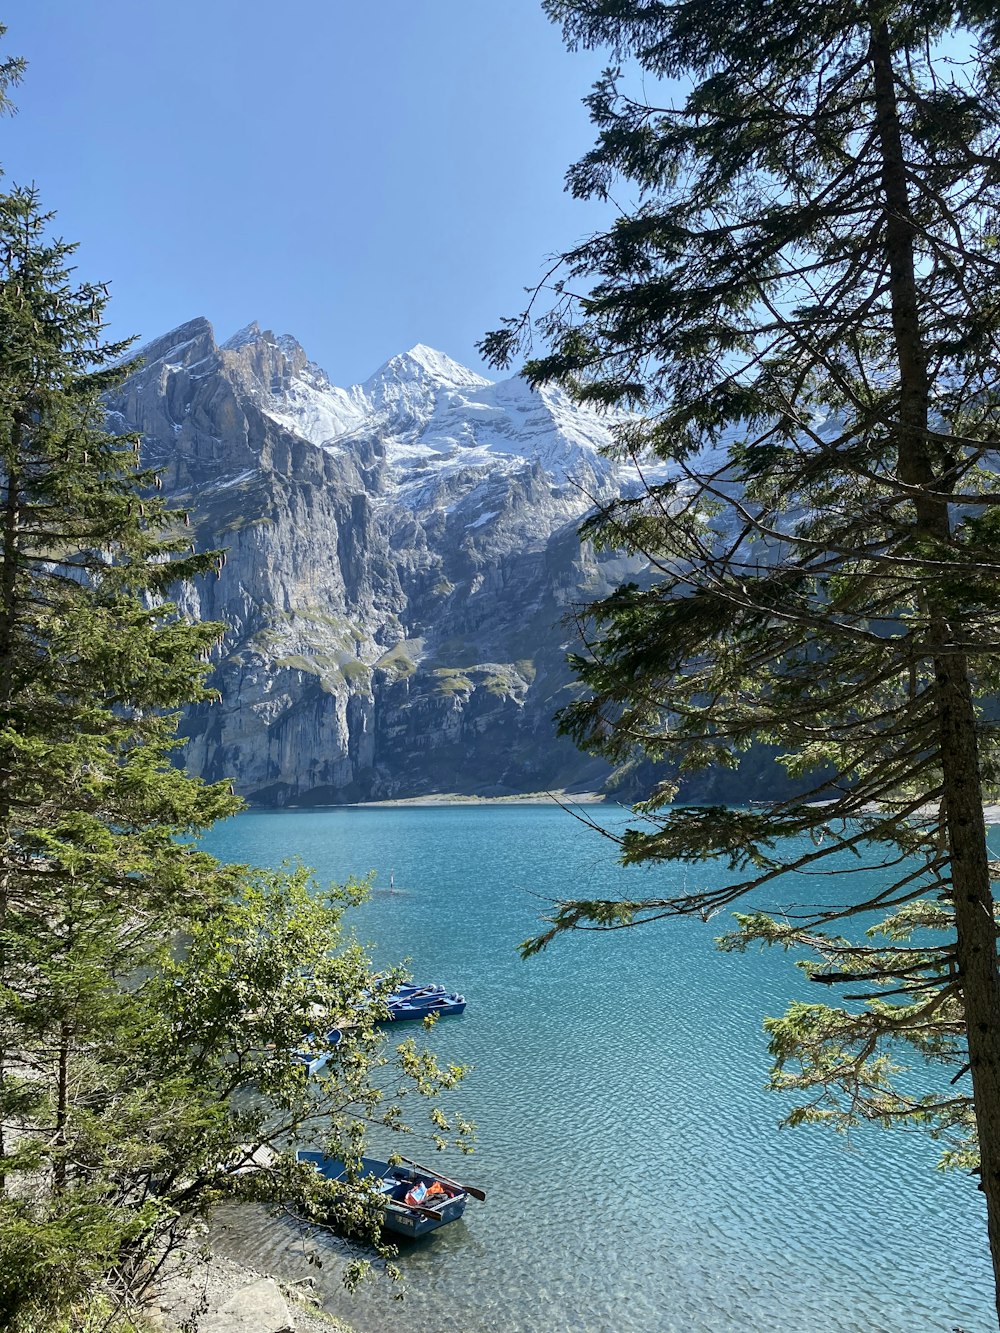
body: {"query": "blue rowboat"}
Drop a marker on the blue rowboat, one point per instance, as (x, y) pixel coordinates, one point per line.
(410, 990)
(415, 1199)
(419, 1006)
(314, 1061)
(413, 991)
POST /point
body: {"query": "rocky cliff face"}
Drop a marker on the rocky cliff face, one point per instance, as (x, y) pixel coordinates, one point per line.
(400, 558)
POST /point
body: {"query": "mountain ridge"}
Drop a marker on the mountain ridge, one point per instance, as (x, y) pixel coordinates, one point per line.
(400, 555)
(403, 570)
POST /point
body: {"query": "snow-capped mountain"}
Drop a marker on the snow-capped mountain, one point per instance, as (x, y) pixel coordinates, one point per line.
(401, 555)
(435, 418)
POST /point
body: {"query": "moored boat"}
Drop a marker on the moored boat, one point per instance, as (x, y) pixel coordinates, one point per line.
(412, 990)
(314, 1061)
(420, 1006)
(415, 1199)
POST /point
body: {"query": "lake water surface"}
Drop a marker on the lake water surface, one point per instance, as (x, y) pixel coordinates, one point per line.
(636, 1176)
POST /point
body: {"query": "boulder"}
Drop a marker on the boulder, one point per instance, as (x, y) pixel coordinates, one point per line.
(257, 1308)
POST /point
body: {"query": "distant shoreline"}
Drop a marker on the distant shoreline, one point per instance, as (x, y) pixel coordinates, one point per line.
(452, 799)
(991, 810)
(521, 798)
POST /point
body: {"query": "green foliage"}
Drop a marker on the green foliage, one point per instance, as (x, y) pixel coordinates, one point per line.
(841, 1059)
(355, 672)
(296, 662)
(450, 680)
(398, 661)
(152, 1001)
(797, 323)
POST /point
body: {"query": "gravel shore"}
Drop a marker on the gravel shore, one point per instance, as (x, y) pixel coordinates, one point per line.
(208, 1293)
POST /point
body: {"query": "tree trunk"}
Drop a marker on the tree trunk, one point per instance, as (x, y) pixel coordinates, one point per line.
(957, 736)
(8, 591)
(11, 554)
(974, 924)
(62, 1107)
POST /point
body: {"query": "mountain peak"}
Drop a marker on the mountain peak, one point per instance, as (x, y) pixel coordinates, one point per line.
(179, 341)
(250, 333)
(426, 363)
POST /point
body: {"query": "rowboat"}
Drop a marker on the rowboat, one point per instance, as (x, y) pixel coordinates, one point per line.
(409, 1001)
(314, 1061)
(414, 1198)
(419, 1006)
(412, 990)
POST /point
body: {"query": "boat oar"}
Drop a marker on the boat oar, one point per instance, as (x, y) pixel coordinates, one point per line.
(467, 1189)
(418, 1208)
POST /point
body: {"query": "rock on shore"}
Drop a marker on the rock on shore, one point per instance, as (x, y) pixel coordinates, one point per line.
(211, 1294)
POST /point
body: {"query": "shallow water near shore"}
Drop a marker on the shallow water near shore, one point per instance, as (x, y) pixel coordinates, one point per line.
(637, 1179)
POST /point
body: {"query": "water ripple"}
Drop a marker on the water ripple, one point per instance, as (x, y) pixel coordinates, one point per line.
(637, 1179)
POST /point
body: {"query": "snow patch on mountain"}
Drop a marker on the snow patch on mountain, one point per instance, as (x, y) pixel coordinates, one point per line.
(250, 333)
(436, 421)
(318, 410)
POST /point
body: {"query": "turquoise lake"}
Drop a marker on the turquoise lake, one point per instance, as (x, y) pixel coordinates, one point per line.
(636, 1176)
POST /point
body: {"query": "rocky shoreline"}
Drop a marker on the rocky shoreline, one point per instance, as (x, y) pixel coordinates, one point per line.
(208, 1293)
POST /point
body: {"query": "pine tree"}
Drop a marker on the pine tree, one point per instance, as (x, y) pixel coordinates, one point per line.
(152, 1000)
(798, 323)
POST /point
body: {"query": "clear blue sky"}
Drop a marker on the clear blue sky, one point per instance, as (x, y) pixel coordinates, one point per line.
(363, 174)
